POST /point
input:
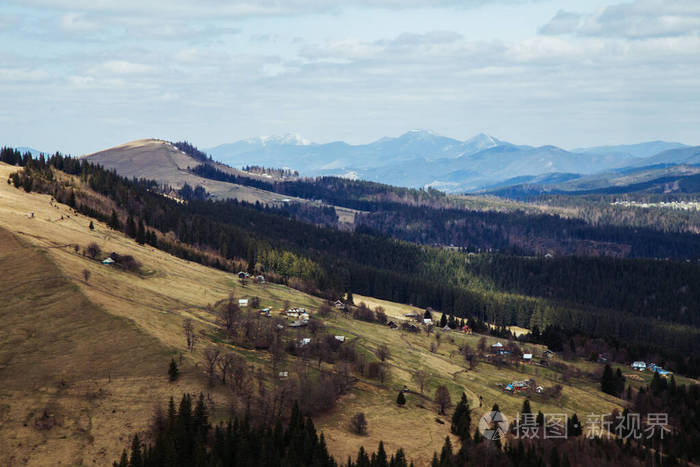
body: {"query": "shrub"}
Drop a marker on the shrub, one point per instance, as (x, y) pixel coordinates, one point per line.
(358, 423)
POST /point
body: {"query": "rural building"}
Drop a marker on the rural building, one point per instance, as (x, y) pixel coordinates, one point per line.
(427, 321)
(108, 261)
(639, 366)
(527, 357)
(304, 341)
(284, 374)
(243, 302)
(340, 338)
(466, 329)
(392, 325)
(339, 305)
(265, 311)
(260, 279)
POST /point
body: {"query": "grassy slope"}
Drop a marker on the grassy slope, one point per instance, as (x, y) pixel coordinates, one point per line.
(162, 161)
(154, 305)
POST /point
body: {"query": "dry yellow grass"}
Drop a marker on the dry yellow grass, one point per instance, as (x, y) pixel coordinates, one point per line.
(139, 316)
(151, 307)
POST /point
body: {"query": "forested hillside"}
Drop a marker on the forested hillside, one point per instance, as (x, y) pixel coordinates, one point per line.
(433, 218)
(597, 296)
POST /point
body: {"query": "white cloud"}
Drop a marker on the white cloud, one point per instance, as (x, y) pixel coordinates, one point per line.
(77, 23)
(22, 75)
(639, 19)
(123, 67)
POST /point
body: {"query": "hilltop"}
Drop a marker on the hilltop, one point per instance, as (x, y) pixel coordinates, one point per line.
(163, 162)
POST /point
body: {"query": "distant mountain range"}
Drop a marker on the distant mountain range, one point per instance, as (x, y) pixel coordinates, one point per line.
(421, 158)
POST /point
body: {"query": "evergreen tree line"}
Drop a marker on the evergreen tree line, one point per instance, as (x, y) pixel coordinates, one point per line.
(354, 194)
(332, 262)
(397, 211)
(184, 437)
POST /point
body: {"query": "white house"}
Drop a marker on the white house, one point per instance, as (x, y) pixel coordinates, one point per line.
(108, 261)
(284, 374)
(427, 321)
(243, 302)
(340, 338)
(305, 341)
(527, 357)
(639, 366)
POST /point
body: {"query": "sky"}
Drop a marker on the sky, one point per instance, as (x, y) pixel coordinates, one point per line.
(83, 75)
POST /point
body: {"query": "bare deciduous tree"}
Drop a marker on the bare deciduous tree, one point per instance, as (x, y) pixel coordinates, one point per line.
(210, 358)
(188, 328)
(229, 314)
(421, 377)
(382, 352)
(442, 398)
(226, 363)
(482, 345)
(86, 275)
(93, 250)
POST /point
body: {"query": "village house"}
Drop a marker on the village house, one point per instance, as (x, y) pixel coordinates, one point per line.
(466, 329)
(108, 261)
(243, 302)
(339, 305)
(639, 366)
(296, 312)
(340, 338)
(427, 321)
(392, 325)
(304, 341)
(527, 357)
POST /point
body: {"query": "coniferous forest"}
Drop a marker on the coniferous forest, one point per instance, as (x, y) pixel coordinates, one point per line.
(646, 306)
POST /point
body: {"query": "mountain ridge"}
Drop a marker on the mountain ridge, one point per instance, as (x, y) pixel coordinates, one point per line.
(423, 158)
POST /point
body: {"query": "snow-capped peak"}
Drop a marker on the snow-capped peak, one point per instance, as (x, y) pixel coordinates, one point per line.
(290, 139)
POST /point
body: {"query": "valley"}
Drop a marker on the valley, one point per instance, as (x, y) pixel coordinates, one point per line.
(144, 314)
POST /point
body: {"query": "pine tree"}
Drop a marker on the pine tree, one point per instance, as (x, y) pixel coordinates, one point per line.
(136, 459)
(141, 233)
(173, 372)
(446, 456)
(92, 226)
(607, 381)
(401, 399)
(130, 227)
(114, 221)
(461, 419)
(443, 321)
